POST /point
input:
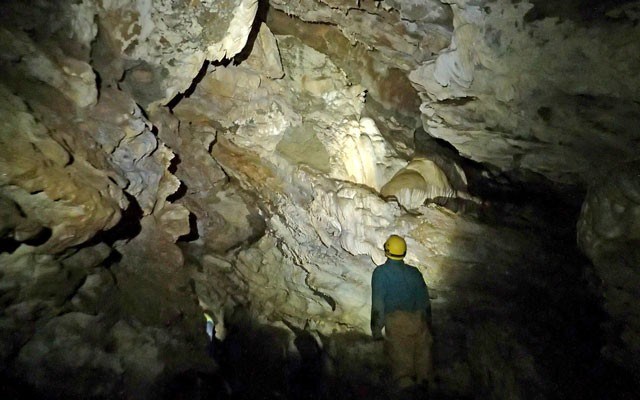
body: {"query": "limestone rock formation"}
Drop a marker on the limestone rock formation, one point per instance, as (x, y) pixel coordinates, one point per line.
(39, 174)
(533, 94)
(85, 181)
(248, 159)
(422, 180)
(609, 233)
(411, 34)
(161, 46)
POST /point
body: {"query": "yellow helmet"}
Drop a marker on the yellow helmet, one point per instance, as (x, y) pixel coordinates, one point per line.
(395, 247)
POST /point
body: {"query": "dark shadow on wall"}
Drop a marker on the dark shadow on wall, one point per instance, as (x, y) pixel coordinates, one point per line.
(9, 244)
(193, 384)
(12, 389)
(585, 11)
(193, 230)
(529, 328)
(259, 361)
(253, 358)
(127, 228)
(179, 193)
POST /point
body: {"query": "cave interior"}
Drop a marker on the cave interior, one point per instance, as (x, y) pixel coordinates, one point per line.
(194, 195)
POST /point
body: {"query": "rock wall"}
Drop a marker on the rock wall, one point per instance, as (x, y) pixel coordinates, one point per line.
(522, 93)
(96, 299)
(608, 232)
(161, 159)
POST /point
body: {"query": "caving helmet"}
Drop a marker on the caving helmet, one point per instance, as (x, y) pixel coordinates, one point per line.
(395, 247)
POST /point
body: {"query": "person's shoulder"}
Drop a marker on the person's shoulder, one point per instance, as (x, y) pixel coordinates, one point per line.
(409, 265)
(378, 269)
(413, 269)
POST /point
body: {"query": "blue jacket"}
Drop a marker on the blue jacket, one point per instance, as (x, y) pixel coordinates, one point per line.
(396, 286)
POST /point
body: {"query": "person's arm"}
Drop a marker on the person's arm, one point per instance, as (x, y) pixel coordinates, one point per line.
(377, 305)
(428, 307)
(426, 301)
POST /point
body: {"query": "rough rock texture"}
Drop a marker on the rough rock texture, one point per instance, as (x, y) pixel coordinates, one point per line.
(85, 183)
(411, 33)
(422, 180)
(536, 95)
(323, 236)
(155, 48)
(159, 159)
(609, 233)
(39, 174)
(158, 47)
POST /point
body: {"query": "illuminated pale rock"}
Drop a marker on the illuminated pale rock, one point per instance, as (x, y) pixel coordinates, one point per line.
(174, 39)
(403, 38)
(138, 160)
(72, 164)
(532, 95)
(323, 240)
(159, 46)
(38, 174)
(325, 221)
(222, 214)
(152, 256)
(333, 138)
(420, 180)
(277, 170)
(73, 78)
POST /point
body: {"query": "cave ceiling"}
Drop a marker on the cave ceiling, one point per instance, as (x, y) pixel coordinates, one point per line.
(161, 158)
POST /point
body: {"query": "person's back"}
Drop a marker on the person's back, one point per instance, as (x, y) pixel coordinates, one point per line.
(405, 288)
(400, 304)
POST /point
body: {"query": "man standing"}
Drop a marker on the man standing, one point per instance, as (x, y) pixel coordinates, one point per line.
(400, 304)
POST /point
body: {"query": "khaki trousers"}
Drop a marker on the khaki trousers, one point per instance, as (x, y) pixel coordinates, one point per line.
(408, 348)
